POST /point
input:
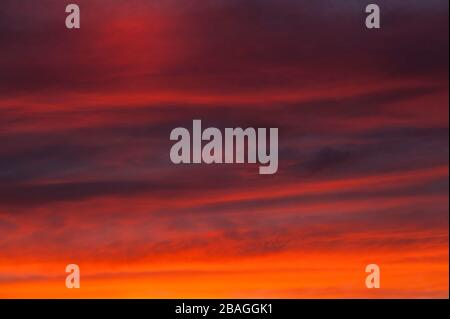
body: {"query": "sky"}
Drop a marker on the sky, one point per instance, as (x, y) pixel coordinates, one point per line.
(86, 177)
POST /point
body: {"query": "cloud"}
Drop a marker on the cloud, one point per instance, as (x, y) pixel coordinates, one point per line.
(85, 118)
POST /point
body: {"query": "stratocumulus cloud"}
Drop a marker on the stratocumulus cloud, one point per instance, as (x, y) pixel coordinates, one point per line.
(85, 173)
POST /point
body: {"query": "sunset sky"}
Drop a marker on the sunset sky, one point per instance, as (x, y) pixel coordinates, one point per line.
(86, 177)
